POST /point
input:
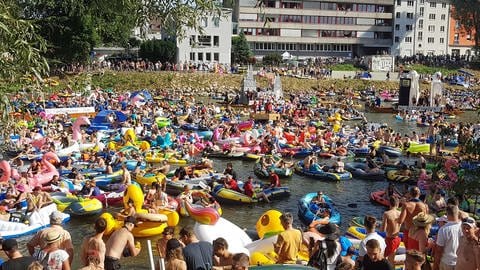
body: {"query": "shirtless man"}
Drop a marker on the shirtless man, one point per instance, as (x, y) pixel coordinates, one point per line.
(410, 209)
(126, 177)
(392, 229)
(119, 240)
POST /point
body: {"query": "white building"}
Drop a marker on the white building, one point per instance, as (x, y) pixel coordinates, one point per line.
(314, 28)
(214, 45)
(421, 27)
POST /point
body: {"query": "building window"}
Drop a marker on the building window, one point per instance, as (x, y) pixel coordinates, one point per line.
(422, 2)
(192, 41)
(442, 40)
(431, 28)
(420, 36)
(410, 3)
(200, 56)
(433, 4)
(409, 15)
(431, 16)
(443, 17)
(420, 24)
(216, 57)
(208, 56)
(422, 9)
(456, 38)
(408, 39)
(399, 2)
(397, 27)
(457, 25)
(408, 27)
(216, 21)
(442, 28)
(216, 41)
(397, 15)
(192, 56)
(444, 5)
(204, 41)
(431, 40)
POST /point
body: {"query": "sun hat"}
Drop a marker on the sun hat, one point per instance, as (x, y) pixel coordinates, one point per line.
(422, 219)
(330, 231)
(52, 236)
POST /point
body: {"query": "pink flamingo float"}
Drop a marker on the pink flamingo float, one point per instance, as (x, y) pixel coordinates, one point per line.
(48, 170)
(81, 121)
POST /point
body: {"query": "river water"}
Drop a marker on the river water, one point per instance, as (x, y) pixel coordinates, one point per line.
(343, 194)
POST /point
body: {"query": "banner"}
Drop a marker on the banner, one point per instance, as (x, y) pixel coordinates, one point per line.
(77, 110)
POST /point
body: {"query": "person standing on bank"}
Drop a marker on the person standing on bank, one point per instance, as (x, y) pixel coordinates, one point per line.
(120, 240)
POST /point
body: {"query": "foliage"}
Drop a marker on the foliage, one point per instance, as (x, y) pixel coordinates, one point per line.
(467, 12)
(21, 60)
(422, 69)
(272, 59)
(241, 52)
(175, 16)
(73, 28)
(344, 67)
(158, 50)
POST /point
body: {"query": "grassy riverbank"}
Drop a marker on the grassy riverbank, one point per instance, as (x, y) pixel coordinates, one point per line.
(203, 83)
(208, 82)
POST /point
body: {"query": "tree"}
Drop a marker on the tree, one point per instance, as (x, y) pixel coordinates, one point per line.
(176, 16)
(272, 59)
(158, 50)
(467, 12)
(21, 59)
(73, 28)
(241, 52)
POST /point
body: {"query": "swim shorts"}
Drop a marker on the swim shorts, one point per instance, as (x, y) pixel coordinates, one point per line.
(392, 245)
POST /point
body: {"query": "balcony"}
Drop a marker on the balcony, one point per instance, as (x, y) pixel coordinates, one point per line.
(315, 12)
(307, 26)
(368, 42)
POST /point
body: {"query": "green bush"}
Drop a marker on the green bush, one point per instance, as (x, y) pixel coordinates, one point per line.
(344, 67)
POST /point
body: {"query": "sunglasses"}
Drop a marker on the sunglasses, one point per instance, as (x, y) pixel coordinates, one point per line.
(468, 220)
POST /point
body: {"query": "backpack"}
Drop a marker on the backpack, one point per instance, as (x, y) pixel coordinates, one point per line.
(319, 258)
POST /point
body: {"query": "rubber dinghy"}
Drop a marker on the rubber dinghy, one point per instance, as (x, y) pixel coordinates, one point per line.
(36, 221)
(320, 174)
(359, 170)
(307, 211)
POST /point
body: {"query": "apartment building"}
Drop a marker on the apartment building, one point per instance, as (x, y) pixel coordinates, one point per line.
(421, 27)
(313, 28)
(461, 41)
(214, 45)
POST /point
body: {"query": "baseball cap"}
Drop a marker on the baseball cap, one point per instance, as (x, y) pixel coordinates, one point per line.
(469, 221)
(56, 217)
(131, 219)
(9, 244)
